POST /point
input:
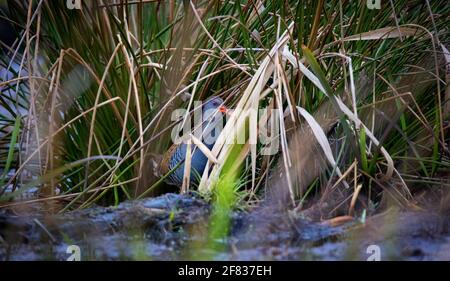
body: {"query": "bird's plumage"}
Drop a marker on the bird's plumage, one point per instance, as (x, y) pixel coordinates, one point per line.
(176, 154)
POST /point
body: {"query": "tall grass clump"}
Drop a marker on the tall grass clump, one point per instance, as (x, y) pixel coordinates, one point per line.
(361, 96)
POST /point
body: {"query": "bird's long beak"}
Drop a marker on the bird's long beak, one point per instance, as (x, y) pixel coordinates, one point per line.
(223, 109)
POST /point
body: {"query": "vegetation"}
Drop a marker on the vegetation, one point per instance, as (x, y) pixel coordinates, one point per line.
(87, 108)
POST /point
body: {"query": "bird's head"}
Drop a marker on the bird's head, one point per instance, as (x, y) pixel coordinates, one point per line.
(214, 112)
(214, 108)
(216, 104)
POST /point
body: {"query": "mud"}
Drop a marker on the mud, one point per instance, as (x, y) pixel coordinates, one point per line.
(175, 227)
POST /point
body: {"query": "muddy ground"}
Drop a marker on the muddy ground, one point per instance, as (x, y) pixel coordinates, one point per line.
(174, 227)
